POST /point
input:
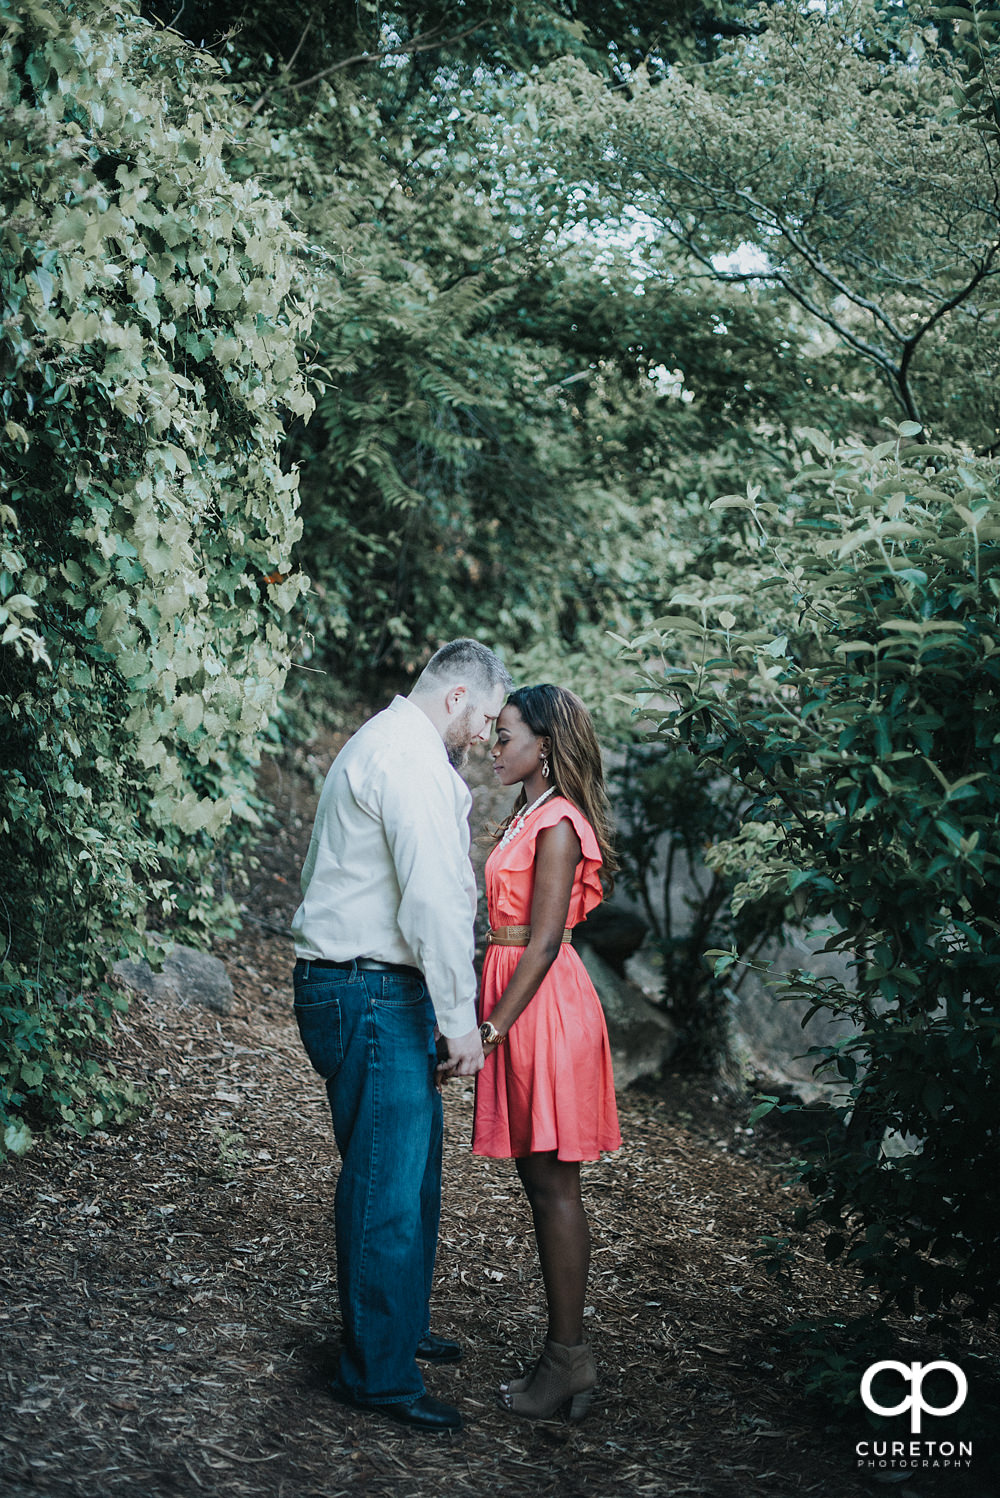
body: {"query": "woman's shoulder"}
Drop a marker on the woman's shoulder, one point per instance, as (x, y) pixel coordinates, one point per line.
(560, 808)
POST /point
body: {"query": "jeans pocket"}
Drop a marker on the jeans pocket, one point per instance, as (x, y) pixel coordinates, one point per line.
(398, 991)
(320, 1031)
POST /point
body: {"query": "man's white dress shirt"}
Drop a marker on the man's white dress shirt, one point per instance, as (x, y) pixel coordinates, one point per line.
(387, 874)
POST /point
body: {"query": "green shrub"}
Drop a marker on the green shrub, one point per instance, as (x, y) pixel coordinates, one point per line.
(148, 348)
(846, 672)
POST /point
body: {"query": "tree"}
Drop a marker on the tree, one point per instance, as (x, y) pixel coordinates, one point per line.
(444, 434)
(151, 311)
(824, 152)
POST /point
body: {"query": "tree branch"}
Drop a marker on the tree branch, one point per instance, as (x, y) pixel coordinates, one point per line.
(744, 205)
(910, 346)
(801, 247)
(725, 200)
(424, 42)
(871, 351)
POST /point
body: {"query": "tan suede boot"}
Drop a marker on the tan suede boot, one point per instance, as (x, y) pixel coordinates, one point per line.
(562, 1376)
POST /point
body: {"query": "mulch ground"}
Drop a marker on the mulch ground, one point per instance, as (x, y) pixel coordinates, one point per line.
(169, 1323)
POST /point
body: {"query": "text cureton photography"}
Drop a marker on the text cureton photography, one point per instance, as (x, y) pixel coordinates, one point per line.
(902, 1454)
(914, 1453)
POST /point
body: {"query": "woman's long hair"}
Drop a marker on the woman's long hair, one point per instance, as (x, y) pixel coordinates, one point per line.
(557, 714)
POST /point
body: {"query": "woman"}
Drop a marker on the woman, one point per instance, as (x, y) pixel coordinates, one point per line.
(546, 1094)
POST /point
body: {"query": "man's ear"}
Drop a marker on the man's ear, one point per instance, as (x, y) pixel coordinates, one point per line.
(455, 699)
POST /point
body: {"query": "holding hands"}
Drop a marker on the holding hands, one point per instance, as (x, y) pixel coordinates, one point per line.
(458, 1056)
(464, 1056)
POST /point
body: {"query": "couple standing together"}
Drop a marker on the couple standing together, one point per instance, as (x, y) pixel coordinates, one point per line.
(385, 997)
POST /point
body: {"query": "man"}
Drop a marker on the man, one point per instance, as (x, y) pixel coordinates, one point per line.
(384, 941)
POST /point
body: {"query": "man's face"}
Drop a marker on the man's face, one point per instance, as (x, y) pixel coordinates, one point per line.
(472, 721)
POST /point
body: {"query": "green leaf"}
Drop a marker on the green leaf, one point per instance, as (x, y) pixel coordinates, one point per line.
(17, 1138)
(763, 1108)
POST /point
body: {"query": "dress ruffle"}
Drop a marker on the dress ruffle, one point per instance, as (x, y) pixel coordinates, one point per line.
(510, 893)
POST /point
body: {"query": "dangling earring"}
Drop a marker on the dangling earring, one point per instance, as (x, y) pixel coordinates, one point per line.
(545, 767)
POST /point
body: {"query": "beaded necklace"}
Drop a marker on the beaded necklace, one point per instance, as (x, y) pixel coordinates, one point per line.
(523, 816)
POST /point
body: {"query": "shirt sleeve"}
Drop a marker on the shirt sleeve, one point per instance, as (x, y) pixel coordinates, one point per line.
(428, 840)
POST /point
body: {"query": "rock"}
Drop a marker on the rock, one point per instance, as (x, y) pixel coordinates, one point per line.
(772, 1036)
(614, 932)
(642, 1038)
(187, 977)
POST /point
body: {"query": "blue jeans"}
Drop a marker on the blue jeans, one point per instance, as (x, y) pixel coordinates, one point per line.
(371, 1038)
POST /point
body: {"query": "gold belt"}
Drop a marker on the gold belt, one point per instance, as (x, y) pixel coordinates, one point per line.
(517, 936)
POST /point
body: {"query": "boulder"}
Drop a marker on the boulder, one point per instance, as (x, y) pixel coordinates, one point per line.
(642, 1038)
(188, 977)
(614, 932)
(772, 1036)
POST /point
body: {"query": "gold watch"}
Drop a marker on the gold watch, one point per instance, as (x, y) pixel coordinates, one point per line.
(490, 1035)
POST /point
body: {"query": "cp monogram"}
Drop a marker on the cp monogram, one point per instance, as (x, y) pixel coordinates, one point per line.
(914, 1374)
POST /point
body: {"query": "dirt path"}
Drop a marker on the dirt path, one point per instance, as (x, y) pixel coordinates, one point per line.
(168, 1323)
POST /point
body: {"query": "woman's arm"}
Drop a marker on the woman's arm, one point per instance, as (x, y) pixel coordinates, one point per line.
(557, 853)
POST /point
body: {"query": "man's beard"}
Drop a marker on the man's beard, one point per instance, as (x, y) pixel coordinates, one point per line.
(457, 740)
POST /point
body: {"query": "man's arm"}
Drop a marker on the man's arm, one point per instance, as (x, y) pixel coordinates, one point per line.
(430, 856)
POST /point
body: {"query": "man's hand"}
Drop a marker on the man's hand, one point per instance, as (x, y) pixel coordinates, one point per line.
(464, 1056)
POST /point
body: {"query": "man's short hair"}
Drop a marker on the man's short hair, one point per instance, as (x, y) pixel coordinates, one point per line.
(467, 662)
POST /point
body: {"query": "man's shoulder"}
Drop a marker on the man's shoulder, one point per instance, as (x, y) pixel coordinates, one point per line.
(368, 747)
(397, 742)
(369, 733)
(383, 728)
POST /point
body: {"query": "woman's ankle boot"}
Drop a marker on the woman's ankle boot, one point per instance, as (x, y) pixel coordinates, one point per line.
(563, 1376)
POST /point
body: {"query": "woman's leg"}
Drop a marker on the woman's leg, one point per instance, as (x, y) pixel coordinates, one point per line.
(563, 1237)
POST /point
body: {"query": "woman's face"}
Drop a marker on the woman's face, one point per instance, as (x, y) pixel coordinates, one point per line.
(517, 752)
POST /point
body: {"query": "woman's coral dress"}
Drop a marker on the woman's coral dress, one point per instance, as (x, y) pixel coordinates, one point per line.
(550, 1085)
